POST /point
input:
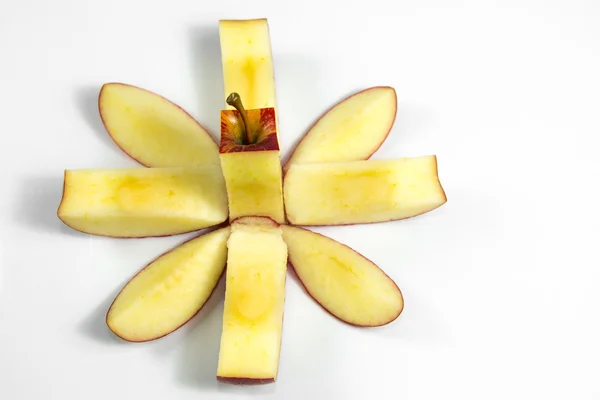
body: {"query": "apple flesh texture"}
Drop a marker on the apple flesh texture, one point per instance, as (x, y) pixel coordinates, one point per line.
(351, 130)
(362, 191)
(171, 290)
(154, 131)
(342, 281)
(254, 302)
(142, 202)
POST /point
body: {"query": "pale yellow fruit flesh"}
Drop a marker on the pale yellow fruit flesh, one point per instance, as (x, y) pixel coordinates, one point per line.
(362, 191)
(341, 280)
(247, 62)
(254, 302)
(154, 131)
(352, 130)
(170, 290)
(141, 202)
(254, 184)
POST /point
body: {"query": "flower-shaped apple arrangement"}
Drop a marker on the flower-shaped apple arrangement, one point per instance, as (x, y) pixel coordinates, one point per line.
(256, 205)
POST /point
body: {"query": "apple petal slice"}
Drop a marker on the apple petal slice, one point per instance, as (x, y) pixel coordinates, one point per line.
(361, 192)
(342, 281)
(152, 130)
(171, 290)
(351, 130)
(143, 202)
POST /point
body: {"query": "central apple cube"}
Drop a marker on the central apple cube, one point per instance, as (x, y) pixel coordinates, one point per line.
(250, 159)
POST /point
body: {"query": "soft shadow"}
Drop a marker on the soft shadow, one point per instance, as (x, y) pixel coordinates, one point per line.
(86, 101)
(38, 203)
(94, 325)
(207, 75)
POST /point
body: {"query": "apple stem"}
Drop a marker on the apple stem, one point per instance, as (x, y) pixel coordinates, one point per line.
(235, 101)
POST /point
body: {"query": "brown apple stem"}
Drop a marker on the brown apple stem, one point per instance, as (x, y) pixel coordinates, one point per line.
(235, 100)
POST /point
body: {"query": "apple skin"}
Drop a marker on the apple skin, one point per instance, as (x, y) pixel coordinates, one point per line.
(209, 230)
(245, 381)
(232, 131)
(286, 166)
(100, 111)
(295, 272)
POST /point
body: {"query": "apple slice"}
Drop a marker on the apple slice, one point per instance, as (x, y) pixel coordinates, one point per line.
(342, 281)
(152, 130)
(171, 290)
(351, 130)
(254, 301)
(141, 202)
(362, 191)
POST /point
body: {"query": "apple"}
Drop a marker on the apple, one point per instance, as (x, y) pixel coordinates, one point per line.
(351, 130)
(169, 291)
(342, 281)
(357, 192)
(249, 148)
(153, 130)
(254, 302)
(142, 202)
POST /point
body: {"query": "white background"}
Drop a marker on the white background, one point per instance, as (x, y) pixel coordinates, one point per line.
(501, 284)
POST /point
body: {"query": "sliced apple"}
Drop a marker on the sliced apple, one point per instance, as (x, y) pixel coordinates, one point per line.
(351, 130)
(171, 290)
(152, 130)
(342, 281)
(254, 301)
(362, 191)
(141, 202)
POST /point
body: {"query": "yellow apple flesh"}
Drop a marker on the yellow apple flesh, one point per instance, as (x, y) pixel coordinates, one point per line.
(351, 130)
(142, 202)
(362, 191)
(154, 131)
(254, 302)
(171, 290)
(342, 281)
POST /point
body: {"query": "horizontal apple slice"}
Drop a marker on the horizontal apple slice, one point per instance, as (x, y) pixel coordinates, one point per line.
(254, 301)
(152, 130)
(171, 290)
(351, 130)
(142, 202)
(342, 281)
(362, 191)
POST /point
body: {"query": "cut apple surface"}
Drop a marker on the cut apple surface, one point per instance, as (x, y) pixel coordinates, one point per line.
(362, 191)
(170, 290)
(153, 130)
(342, 281)
(351, 130)
(254, 302)
(141, 202)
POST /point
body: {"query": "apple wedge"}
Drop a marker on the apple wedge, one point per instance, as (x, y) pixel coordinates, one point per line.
(171, 290)
(342, 281)
(362, 191)
(153, 130)
(351, 130)
(142, 202)
(254, 301)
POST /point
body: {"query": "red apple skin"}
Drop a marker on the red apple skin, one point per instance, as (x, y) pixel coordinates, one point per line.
(141, 270)
(286, 165)
(380, 222)
(231, 130)
(245, 381)
(290, 264)
(147, 91)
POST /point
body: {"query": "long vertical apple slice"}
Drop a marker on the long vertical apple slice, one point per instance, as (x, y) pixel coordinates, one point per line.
(142, 202)
(342, 281)
(153, 130)
(254, 300)
(171, 290)
(351, 130)
(362, 191)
